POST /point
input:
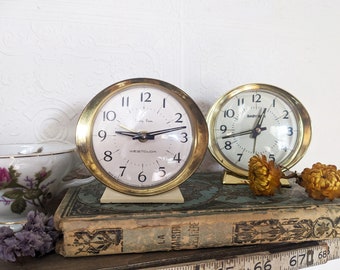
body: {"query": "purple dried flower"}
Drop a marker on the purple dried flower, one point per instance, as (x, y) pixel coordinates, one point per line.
(27, 242)
(7, 252)
(35, 221)
(5, 232)
(47, 244)
(37, 237)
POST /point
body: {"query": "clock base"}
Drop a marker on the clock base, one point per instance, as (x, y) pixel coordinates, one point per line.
(113, 196)
(232, 179)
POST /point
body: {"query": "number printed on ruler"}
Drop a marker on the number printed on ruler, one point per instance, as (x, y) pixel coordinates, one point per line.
(294, 259)
(286, 260)
(334, 248)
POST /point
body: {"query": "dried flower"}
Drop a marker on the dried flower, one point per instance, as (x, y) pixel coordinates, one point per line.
(264, 177)
(6, 251)
(37, 238)
(321, 181)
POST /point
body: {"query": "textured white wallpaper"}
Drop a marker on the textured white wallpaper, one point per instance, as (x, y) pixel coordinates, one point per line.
(56, 55)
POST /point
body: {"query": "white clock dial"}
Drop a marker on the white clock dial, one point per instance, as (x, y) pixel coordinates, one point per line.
(142, 136)
(265, 126)
(258, 119)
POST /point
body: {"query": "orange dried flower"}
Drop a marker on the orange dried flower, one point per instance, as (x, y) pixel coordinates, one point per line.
(321, 181)
(264, 177)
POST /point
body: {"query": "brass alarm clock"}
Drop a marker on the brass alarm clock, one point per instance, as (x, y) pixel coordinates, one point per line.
(258, 119)
(142, 136)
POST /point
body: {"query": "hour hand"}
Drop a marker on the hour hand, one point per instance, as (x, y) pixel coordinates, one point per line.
(127, 133)
(142, 136)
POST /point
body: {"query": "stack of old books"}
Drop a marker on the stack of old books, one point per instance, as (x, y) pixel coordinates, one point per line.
(212, 215)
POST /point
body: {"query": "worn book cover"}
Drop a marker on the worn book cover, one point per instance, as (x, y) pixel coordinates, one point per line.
(213, 215)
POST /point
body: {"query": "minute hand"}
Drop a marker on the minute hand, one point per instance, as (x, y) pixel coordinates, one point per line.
(151, 135)
(241, 133)
(257, 130)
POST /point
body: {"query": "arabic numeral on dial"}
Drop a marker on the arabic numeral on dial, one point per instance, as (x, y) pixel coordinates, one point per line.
(109, 115)
(271, 157)
(162, 171)
(239, 157)
(177, 157)
(274, 103)
(223, 128)
(123, 168)
(240, 101)
(102, 134)
(178, 118)
(145, 97)
(185, 137)
(125, 101)
(229, 113)
(108, 156)
(285, 114)
(141, 177)
(256, 98)
(290, 131)
(227, 145)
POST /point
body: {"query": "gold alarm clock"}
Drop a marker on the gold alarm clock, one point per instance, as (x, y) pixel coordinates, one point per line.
(142, 136)
(258, 119)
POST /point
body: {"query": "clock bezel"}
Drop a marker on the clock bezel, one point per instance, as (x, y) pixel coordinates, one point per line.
(84, 133)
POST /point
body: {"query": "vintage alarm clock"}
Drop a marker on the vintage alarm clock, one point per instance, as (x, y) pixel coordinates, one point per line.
(258, 119)
(142, 136)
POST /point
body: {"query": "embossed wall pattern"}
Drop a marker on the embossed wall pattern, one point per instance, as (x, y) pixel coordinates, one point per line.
(56, 55)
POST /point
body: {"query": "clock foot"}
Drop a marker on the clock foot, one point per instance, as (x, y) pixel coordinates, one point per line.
(232, 179)
(112, 196)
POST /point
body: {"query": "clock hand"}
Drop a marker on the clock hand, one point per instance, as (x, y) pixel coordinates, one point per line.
(162, 131)
(242, 133)
(128, 133)
(147, 135)
(257, 130)
(151, 135)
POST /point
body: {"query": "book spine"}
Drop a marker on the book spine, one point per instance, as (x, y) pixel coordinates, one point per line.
(101, 236)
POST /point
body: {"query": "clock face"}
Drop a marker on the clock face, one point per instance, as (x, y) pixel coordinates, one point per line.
(144, 137)
(258, 119)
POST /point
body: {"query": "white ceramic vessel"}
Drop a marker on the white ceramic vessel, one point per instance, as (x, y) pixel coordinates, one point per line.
(31, 175)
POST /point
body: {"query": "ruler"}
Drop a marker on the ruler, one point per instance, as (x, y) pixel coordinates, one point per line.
(309, 254)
